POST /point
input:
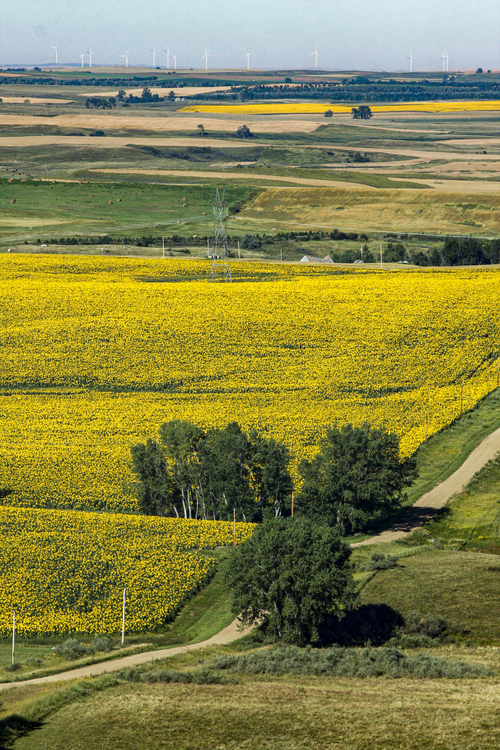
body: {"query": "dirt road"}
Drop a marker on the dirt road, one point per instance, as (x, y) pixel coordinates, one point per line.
(437, 498)
(231, 633)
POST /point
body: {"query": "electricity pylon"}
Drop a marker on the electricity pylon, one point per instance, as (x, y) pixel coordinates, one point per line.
(220, 268)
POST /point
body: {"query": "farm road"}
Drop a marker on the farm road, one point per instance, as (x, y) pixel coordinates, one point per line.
(427, 505)
(231, 633)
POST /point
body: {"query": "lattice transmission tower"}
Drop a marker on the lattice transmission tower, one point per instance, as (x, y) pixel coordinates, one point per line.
(220, 269)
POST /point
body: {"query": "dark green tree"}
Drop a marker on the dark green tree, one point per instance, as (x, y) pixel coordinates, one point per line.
(357, 473)
(362, 113)
(290, 575)
(155, 489)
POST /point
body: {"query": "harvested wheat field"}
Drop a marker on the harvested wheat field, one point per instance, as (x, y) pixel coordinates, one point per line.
(33, 100)
(117, 141)
(381, 210)
(164, 91)
(228, 175)
(159, 124)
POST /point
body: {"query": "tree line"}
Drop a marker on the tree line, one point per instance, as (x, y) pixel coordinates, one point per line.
(191, 472)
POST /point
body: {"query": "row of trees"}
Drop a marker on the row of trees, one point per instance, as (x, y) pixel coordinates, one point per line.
(190, 472)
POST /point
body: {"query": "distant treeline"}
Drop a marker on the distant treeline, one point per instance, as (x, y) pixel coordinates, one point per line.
(130, 81)
(201, 240)
(364, 89)
(461, 251)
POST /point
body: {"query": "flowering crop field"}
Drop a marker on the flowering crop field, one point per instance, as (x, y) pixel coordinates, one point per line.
(65, 571)
(310, 108)
(93, 360)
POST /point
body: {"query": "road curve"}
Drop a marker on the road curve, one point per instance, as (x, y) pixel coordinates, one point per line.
(426, 506)
(224, 636)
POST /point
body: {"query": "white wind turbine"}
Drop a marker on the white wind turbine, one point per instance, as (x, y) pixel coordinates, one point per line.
(167, 51)
(410, 58)
(444, 62)
(248, 60)
(81, 57)
(205, 57)
(315, 54)
(447, 62)
(175, 62)
(153, 50)
(89, 53)
(126, 58)
(55, 48)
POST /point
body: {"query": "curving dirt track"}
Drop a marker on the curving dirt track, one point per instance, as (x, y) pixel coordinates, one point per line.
(231, 633)
(437, 498)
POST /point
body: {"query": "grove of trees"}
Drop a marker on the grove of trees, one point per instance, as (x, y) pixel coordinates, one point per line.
(189, 472)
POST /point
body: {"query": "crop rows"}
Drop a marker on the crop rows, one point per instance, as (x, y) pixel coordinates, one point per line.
(304, 108)
(64, 571)
(92, 360)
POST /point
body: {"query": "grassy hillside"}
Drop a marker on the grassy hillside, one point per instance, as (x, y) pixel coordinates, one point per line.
(462, 587)
(383, 210)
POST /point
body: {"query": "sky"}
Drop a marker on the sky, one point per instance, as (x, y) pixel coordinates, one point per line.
(349, 34)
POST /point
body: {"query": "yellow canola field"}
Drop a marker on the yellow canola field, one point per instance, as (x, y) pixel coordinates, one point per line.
(93, 360)
(64, 571)
(315, 108)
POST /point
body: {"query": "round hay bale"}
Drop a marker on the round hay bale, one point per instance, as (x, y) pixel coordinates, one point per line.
(13, 200)
(118, 200)
(204, 213)
(90, 195)
(110, 202)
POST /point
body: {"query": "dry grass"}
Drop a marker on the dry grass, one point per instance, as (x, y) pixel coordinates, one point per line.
(161, 91)
(228, 175)
(363, 209)
(33, 100)
(284, 714)
(157, 124)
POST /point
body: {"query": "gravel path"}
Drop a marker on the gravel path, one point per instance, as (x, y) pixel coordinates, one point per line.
(231, 633)
(437, 498)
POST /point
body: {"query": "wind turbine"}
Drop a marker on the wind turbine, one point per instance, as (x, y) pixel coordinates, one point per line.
(82, 56)
(447, 64)
(89, 52)
(444, 62)
(410, 58)
(175, 62)
(205, 57)
(152, 49)
(248, 60)
(55, 48)
(126, 58)
(316, 55)
(168, 58)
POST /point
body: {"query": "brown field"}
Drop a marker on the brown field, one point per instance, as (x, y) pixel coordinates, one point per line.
(159, 124)
(32, 100)
(378, 210)
(115, 142)
(230, 176)
(185, 91)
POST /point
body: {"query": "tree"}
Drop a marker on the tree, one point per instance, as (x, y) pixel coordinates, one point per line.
(251, 242)
(357, 473)
(328, 113)
(201, 130)
(192, 473)
(362, 113)
(244, 132)
(290, 575)
(171, 96)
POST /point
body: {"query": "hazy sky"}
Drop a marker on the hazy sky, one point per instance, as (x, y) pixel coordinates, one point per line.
(350, 34)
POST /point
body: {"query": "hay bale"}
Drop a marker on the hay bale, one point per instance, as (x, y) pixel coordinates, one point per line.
(13, 200)
(109, 202)
(90, 195)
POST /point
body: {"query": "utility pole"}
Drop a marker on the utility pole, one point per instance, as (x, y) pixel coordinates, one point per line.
(381, 264)
(123, 619)
(163, 248)
(220, 255)
(239, 256)
(13, 637)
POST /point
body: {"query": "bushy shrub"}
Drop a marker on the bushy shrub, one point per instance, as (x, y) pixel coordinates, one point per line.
(379, 561)
(75, 649)
(345, 662)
